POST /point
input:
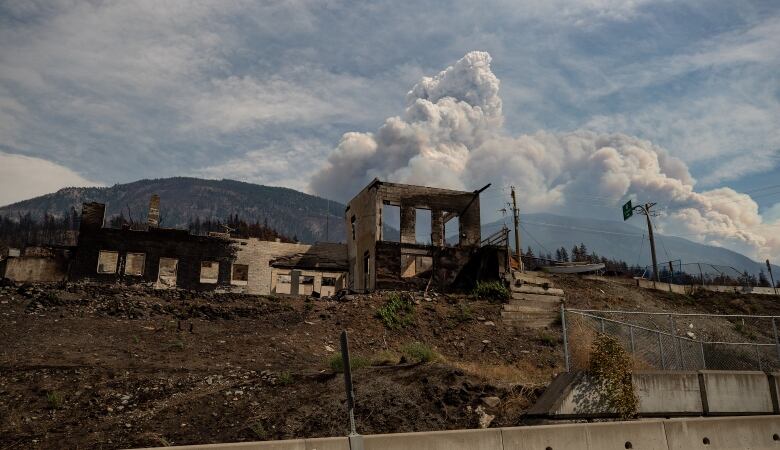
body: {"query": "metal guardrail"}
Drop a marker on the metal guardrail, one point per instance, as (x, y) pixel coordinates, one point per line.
(676, 341)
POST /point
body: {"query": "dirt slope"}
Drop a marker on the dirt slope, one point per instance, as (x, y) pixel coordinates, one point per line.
(85, 366)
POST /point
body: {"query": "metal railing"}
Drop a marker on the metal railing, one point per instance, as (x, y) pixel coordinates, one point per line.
(500, 238)
(675, 341)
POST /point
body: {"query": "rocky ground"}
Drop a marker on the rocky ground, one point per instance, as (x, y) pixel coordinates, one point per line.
(97, 366)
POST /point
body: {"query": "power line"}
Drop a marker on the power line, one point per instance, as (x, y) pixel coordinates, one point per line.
(592, 230)
(534, 239)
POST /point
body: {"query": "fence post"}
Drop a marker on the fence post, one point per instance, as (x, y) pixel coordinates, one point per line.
(703, 359)
(758, 356)
(701, 274)
(676, 342)
(602, 326)
(565, 339)
(661, 350)
(348, 384)
(777, 343)
(631, 333)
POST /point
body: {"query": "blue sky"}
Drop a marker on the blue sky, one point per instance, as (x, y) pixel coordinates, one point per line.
(110, 92)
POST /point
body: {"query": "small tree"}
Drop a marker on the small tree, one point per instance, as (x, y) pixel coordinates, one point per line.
(610, 368)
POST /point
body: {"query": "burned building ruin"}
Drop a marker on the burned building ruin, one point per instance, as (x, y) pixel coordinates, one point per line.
(375, 256)
(378, 261)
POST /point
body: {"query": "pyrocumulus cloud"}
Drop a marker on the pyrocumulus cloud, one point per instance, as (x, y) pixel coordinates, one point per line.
(451, 135)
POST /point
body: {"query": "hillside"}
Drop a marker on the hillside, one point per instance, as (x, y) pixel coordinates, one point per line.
(289, 212)
(107, 366)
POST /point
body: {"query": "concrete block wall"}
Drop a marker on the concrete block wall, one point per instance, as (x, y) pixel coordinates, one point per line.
(661, 391)
(258, 255)
(668, 393)
(737, 392)
(733, 433)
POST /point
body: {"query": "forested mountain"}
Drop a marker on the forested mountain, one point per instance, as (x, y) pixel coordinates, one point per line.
(185, 200)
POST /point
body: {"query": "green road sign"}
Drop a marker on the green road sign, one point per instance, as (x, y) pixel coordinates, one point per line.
(628, 210)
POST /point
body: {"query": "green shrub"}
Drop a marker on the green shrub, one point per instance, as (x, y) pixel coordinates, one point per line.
(336, 362)
(55, 399)
(176, 345)
(258, 430)
(417, 351)
(285, 378)
(463, 313)
(491, 290)
(396, 313)
(548, 339)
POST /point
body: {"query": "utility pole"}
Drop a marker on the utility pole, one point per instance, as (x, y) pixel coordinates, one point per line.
(645, 210)
(327, 223)
(628, 211)
(516, 214)
(771, 277)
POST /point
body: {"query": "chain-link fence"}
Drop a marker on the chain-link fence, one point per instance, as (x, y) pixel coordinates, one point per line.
(670, 341)
(706, 274)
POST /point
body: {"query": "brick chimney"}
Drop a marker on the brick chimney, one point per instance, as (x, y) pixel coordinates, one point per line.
(153, 217)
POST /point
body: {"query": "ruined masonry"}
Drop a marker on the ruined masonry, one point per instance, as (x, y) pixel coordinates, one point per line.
(535, 302)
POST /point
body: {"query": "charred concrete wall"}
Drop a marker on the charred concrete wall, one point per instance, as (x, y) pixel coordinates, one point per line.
(451, 267)
(444, 205)
(377, 263)
(176, 258)
(36, 269)
(188, 250)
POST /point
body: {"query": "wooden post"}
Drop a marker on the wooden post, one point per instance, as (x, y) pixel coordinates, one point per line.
(518, 244)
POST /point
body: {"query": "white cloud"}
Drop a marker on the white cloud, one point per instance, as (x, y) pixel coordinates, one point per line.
(720, 102)
(23, 177)
(285, 163)
(450, 135)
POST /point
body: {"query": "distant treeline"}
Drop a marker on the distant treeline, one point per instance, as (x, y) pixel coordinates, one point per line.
(25, 230)
(579, 253)
(50, 230)
(238, 228)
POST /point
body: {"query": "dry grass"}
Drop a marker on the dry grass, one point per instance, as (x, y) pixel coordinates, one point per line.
(581, 336)
(524, 373)
(385, 358)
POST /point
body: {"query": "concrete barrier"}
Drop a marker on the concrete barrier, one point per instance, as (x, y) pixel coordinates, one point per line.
(595, 436)
(733, 392)
(331, 443)
(489, 439)
(721, 433)
(755, 433)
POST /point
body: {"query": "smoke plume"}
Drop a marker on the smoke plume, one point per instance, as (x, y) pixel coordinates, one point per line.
(451, 135)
